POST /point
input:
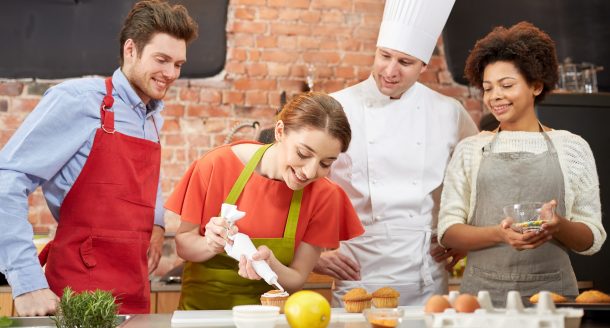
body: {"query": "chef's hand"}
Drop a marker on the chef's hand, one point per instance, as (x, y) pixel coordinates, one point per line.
(246, 269)
(521, 241)
(333, 263)
(217, 234)
(37, 303)
(441, 254)
(155, 248)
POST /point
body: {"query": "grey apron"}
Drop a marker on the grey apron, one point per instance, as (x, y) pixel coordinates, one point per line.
(504, 179)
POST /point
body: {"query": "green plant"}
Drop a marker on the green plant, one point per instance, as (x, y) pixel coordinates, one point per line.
(5, 321)
(89, 309)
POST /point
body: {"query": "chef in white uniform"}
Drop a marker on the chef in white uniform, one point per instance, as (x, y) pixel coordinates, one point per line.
(403, 136)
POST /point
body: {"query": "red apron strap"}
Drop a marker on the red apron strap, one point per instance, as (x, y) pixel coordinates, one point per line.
(106, 115)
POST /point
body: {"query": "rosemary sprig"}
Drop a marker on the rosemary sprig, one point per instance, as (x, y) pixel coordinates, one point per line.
(89, 309)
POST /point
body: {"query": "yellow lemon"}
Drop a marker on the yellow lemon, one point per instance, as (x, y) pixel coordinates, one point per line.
(307, 309)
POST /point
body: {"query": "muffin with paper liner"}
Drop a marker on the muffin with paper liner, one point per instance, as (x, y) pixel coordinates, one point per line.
(356, 300)
(386, 297)
(275, 297)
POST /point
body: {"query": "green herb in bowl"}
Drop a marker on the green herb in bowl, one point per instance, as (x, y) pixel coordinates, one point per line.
(89, 309)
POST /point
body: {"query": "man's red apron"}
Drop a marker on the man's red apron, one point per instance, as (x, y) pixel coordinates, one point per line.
(106, 219)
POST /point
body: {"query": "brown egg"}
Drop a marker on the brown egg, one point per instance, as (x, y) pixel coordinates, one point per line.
(436, 304)
(466, 303)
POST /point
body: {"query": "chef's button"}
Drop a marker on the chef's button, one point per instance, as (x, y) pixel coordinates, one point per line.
(371, 141)
(414, 183)
(418, 143)
(374, 181)
(369, 103)
(410, 215)
(377, 217)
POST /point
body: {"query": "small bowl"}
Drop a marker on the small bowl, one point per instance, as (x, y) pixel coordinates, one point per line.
(255, 316)
(384, 317)
(526, 216)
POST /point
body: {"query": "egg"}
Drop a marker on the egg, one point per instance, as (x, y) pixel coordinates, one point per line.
(436, 304)
(466, 303)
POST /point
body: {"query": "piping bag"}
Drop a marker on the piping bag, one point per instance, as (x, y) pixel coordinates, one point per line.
(242, 245)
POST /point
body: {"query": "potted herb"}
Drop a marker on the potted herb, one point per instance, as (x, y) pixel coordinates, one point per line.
(89, 309)
(5, 321)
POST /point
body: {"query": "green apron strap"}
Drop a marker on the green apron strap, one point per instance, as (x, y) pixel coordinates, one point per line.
(293, 214)
(241, 181)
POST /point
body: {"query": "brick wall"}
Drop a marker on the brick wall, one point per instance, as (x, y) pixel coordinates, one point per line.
(270, 43)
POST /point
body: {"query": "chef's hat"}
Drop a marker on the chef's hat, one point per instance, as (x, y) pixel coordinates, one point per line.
(413, 26)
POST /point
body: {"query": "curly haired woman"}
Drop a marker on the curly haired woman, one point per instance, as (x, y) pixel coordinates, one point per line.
(521, 161)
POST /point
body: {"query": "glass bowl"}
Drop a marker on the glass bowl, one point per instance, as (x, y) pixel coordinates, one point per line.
(384, 317)
(526, 216)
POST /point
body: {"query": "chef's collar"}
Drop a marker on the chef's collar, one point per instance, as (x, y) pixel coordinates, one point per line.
(129, 95)
(377, 98)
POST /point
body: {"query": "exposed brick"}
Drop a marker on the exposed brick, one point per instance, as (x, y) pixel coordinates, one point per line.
(254, 55)
(38, 89)
(445, 77)
(280, 56)
(197, 141)
(3, 105)
(288, 43)
(332, 16)
(278, 69)
(290, 29)
(268, 13)
(244, 13)
(256, 69)
(193, 110)
(322, 57)
(215, 125)
(472, 104)
(331, 86)
(428, 76)
(256, 98)
(333, 30)
(211, 96)
(173, 140)
(170, 125)
(310, 42)
(373, 8)
(437, 62)
(173, 110)
(11, 88)
(189, 94)
(265, 41)
(358, 59)
(292, 85)
(232, 97)
(247, 27)
(243, 40)
(451, 91)
(289, 3)
(235, 67)
(4, 136)
(247, 84)
(237, 54)
(310, 16)
(290, 14)
(345, 72)
(23, 105)
(366, 33)
(327, 4)
(248, 2)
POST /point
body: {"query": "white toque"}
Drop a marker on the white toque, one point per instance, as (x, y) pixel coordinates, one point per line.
(413, 26)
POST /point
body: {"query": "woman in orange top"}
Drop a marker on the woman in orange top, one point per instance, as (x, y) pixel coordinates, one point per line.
(292, 210)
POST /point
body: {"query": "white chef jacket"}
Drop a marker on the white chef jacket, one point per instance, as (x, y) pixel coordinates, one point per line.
(393, 172)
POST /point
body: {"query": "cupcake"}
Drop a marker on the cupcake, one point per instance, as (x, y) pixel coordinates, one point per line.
(275, 298)
(386, 297)
(593, 296)
(356, 300)
(555, 297)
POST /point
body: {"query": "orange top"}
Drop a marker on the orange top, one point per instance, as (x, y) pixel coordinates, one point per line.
(326, 215)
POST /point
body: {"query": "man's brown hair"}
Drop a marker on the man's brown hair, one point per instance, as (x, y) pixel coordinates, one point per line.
(149, 17)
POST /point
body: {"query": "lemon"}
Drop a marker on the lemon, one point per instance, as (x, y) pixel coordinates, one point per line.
(307, 309)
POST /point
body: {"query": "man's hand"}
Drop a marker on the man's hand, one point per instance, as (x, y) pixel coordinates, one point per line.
(37, 303)
(337, 265)
(441, 254)
(156, 246)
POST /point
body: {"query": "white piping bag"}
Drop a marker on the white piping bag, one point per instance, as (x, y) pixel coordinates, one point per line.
(242, 245)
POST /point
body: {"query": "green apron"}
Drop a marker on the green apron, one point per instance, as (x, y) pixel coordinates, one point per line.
(215, 284)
